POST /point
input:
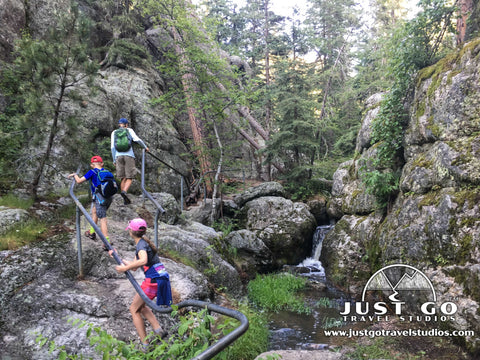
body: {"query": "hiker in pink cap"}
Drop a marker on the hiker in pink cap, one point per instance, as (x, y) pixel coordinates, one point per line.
(146, 256)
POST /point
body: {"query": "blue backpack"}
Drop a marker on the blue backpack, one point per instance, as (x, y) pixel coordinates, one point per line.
(108, 186)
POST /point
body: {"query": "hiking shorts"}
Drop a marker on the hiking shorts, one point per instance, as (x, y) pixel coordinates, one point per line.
(101, 209)
(125, 167)
(149, 288)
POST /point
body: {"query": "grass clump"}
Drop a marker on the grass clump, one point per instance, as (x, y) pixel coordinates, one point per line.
(15, 202)
(250, 344)
(22, 234)
(277, 292)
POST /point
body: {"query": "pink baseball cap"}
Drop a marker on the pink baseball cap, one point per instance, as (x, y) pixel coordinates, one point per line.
(137, 225)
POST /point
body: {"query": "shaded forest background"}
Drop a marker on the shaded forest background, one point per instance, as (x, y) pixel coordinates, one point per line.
(293, 87)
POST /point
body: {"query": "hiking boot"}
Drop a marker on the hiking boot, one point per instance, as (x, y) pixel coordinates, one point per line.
(90, 235)
(126, 200)
(163, 334)
(105, 247)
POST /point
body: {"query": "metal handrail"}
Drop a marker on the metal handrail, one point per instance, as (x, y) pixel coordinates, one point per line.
(210, 351)
(159, 208)
(214, 171)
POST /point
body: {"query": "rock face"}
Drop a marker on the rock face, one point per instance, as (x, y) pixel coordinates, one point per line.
(433, 223)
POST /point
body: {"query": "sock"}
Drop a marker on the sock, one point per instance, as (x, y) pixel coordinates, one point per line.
(92, 230)
(158, 331)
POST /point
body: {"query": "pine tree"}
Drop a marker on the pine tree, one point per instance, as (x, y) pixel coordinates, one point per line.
(45, 74)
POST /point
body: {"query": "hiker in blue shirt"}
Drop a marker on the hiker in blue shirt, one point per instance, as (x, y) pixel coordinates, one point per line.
(100, 205)
(123, 156)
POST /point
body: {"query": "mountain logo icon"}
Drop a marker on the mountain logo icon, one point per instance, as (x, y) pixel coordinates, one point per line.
(395, 280)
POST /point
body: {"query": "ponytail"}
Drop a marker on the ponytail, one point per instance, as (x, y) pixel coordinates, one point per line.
(141, 234)
(151, 244)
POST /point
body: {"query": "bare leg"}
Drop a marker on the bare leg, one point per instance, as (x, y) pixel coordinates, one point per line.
(103, 226)
(136, 309)
(94, 215)
(150, 316)
(125, 184)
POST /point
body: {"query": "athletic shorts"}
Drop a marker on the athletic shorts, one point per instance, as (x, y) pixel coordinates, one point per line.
(101, 210)
(149, 288)
(125, 166)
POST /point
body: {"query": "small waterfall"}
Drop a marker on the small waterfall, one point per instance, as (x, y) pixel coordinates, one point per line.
(313, 262)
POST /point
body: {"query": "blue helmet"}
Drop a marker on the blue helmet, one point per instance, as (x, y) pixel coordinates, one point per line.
(123, 121)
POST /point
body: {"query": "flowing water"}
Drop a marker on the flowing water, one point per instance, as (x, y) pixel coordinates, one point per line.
(289, 330)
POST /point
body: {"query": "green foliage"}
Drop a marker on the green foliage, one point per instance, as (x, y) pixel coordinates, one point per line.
(15, 202)
(278, 292)
(252, 343)
(414, 45)
(23, 234)
(303, 190)
(192, 335)
(124, 53)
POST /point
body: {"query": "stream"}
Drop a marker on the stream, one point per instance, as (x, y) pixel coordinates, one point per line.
(289, 330)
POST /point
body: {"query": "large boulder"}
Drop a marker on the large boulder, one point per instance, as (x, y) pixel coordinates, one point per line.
(348, 250)
(285, 227)
(271, 188)
(252, 256)
(194, 244)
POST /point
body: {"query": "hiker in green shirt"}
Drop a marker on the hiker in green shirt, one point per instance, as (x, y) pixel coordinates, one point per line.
(123, 156)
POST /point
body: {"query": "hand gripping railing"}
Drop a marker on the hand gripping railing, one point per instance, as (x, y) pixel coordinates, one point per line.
(211, 351)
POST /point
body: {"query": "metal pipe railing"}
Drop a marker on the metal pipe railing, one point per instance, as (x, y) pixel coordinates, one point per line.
(211, 351)
(159, 208)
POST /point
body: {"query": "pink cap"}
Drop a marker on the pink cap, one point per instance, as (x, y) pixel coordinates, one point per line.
(137, 225)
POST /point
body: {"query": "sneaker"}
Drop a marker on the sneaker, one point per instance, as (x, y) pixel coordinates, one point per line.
(126, 200)
(105, 248)
(90, 235)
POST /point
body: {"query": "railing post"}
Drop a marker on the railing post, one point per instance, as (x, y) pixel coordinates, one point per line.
(143, 175)
(244, 185)
(181, 193)
(79, 243)
(157, 215)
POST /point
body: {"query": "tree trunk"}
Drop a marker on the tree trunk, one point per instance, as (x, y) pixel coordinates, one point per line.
(324, 101)
(217, 175)
(268, 105)
(466, 7)
(196, 123)
(51, 136)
